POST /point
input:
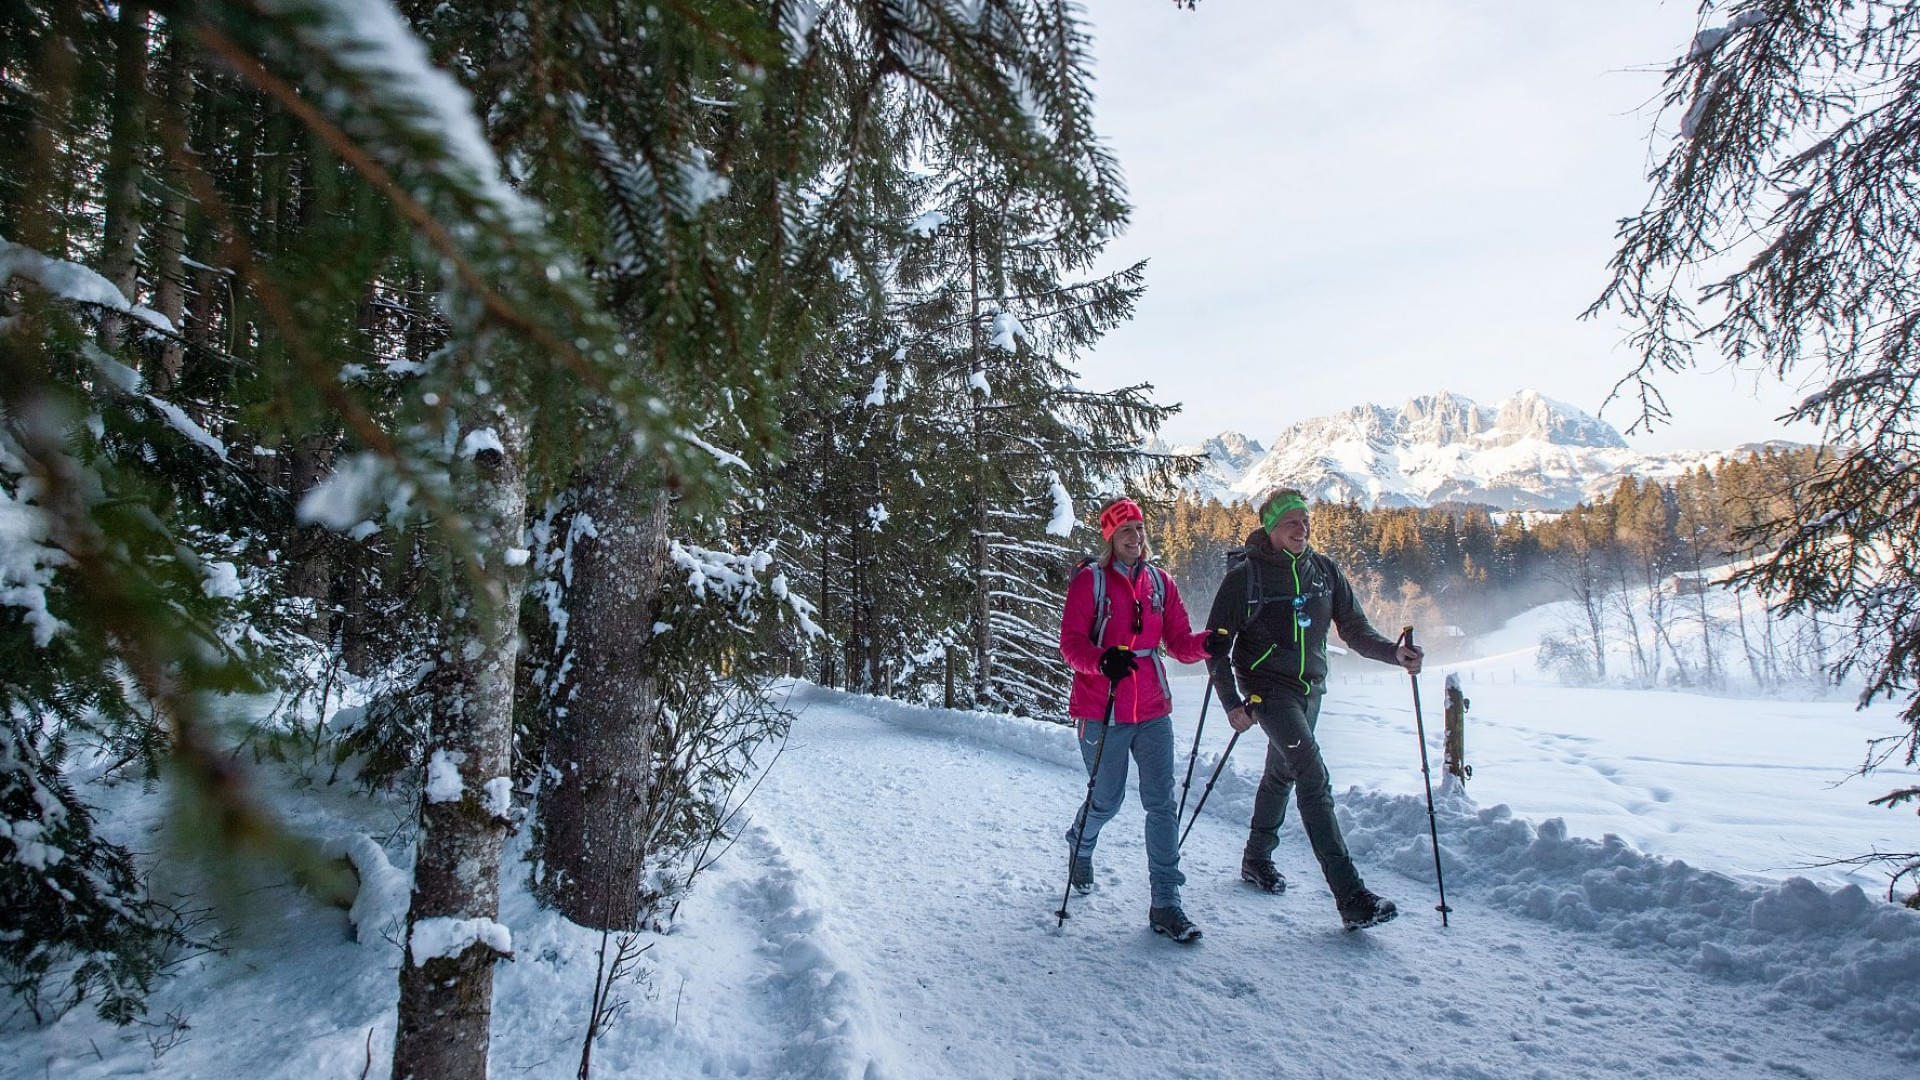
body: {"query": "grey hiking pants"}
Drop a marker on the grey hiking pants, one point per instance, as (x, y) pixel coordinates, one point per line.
(1294, 765)
(1150, 745)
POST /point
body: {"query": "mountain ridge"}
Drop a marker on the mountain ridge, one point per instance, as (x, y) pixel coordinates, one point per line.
(1526, 452)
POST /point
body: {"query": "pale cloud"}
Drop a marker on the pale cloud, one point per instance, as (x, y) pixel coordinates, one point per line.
(1361, 202)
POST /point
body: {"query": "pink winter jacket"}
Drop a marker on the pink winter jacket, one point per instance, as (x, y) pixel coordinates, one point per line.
(1143, 695)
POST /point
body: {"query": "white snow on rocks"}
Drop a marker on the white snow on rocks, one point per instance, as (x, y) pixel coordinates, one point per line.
(379, 909)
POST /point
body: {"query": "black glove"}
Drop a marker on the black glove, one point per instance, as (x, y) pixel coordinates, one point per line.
(1117, 663)
(1217, 643)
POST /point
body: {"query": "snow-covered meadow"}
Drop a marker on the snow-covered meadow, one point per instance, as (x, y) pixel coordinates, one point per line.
(1622, 869)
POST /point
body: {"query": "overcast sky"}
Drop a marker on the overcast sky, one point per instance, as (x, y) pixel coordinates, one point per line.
(1360, 202)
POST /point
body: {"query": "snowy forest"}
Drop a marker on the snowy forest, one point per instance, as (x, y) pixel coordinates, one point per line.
(1640, 565)
(474, 409)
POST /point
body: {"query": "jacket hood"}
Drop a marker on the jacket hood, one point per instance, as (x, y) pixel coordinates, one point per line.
(1261, 546)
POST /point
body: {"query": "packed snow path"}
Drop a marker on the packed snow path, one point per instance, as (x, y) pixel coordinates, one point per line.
(937, 862)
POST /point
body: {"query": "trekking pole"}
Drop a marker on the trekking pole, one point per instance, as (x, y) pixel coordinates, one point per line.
(1206, 699)
(1086, 804)
(1197, 807)
(1426, 776)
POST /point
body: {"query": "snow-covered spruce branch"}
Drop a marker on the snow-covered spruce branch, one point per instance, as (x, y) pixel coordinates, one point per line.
(734, 579)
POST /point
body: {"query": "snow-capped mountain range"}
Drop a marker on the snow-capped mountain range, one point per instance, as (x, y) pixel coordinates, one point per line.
(1529, 452)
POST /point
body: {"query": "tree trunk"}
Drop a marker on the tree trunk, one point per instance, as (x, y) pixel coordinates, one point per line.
(446, 1002)
(826, 557)
(982, 596)
(1714, 676)
(1746, 643)
(594, 819)
(311, 548)
(169, 271)
(358, 628)
(126, 135)
(854, 645)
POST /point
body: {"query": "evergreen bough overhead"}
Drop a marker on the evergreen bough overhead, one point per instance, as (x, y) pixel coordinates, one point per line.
(1783, 233)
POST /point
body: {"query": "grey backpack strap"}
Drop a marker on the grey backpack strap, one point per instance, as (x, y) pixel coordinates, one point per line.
(1159, 589)
(1099, 601)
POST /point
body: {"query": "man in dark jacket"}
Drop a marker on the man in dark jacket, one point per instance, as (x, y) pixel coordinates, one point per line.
(1278, 604)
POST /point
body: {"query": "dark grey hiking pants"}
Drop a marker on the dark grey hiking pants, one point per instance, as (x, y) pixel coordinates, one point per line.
(1294, 765)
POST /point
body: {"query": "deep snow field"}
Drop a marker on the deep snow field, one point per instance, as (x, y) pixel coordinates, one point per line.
(1625, 870)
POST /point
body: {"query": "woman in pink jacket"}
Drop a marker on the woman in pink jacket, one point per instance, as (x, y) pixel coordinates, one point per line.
(1120, 611)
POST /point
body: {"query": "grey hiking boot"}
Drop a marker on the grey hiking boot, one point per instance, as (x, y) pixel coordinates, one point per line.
(1081, 876)
(1173, 922)
(1263, 875)
(1364, 909)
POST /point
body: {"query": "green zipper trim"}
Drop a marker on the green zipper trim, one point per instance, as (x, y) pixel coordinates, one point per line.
(1299, 634)
(1263, 656)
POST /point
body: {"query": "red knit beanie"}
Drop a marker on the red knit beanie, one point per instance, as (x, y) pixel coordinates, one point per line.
(1118, 513)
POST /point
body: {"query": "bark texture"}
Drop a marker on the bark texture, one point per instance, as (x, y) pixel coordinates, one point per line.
(127, 133)
(595, 799)
(169, 272)
(446, 1003)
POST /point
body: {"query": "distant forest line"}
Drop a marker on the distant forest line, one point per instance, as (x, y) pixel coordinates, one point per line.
(1474, 566)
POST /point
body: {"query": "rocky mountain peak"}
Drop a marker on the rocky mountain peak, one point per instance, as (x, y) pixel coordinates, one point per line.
(1233, 449)
(1527, 452)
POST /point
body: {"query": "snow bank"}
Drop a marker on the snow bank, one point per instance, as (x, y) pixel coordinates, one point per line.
(380, 905)
(1825, 948)
(1052, 743)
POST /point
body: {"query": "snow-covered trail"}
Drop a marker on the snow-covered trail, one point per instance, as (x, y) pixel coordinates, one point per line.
(936, 860)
